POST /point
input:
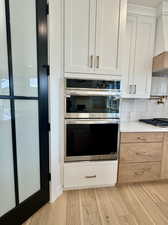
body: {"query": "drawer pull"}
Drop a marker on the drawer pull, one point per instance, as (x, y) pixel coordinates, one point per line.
(142, 154)
(139, 173)
(90, 177)
(141, 138)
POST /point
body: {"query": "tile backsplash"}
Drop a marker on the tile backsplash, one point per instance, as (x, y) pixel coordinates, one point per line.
(135, 109)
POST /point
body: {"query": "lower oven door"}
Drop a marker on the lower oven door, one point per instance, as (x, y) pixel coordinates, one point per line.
(91, 139)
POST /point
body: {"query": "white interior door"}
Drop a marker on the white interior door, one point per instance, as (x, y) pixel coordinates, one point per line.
(80, 35)
(107, 37)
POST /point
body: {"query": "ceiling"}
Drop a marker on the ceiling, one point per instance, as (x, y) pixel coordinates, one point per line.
(150, 3)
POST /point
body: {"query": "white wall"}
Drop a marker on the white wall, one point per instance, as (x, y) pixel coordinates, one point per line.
(56, 97)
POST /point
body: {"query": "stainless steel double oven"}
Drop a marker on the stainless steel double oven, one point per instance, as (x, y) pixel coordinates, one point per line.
(91, 119)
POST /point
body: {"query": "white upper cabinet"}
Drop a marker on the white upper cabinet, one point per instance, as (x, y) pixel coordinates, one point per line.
(80, 35)
(108, 37)
(130, 54)
(94, 31)
(139, 54)
(144, 56)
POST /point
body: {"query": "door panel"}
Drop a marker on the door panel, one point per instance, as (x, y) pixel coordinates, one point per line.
(79, 35)
(7, 187)
(130, 46)
(4, 79)
(27, 139)
(24, 155)
(107, 36)
(24, 47)
(143, 61)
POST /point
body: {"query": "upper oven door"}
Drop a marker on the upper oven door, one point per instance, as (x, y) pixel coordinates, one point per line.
(91, 105)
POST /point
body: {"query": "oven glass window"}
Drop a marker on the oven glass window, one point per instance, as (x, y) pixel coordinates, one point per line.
(92, 104)
(91, 139)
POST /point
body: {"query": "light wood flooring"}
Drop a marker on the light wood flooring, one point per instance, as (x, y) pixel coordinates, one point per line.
(142, 204)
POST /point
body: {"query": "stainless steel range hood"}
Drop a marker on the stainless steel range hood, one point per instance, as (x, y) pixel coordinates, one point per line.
(160, 60)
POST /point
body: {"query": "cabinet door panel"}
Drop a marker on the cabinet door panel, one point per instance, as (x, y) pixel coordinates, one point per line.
(144, 55)
(140, 152)
(79, 35)
(130, 46)
(139, 172)
(107, 36)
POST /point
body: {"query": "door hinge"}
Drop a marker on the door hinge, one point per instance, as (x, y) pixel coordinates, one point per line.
(49, 127)
(49, 176)
(47, 9)
(47, 67)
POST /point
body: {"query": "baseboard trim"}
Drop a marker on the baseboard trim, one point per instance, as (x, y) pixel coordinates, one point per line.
(88, 187)
(57, 193)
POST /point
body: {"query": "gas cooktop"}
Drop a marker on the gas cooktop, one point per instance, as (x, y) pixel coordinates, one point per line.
(160, 122)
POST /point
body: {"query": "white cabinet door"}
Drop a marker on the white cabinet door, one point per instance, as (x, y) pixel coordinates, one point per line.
(130, 48)
(80, 35)
(144, 56)
(139, 48)
(108, 36)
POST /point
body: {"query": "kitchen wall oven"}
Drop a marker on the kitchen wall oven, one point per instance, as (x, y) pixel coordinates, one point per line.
(92, 99)
(91, 120)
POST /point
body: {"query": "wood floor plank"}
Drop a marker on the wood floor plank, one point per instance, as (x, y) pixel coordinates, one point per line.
(73, 208)
(121, 210)
(135, 207)
(106, 209)
(58, 211)
(151, 208)
(141, 204)
(159, 195)
(90, 213)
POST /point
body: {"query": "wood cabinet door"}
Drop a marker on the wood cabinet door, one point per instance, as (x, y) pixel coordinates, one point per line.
(79, 30)
(140, 152)
(108, 36)
(139, 172)
(143, 56)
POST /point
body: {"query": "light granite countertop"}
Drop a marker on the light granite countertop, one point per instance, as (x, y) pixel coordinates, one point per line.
(140, 127)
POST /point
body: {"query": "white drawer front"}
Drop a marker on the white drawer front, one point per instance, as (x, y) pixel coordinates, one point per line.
(90, 174)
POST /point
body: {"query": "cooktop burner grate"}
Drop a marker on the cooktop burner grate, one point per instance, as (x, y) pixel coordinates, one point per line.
(160, 122)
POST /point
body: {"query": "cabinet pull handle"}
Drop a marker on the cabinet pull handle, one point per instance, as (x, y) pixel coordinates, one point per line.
(141, 138)
(130, 89)
(135, 89)
(139, 173)
(97, 62)
(90, 177)
(91, 61)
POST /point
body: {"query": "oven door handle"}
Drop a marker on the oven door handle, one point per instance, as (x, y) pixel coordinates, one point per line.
(92, 93)
(92, 121)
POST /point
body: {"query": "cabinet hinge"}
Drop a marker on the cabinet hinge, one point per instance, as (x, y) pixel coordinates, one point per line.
(47, 9)
(47, 67)
(49, 127)
(49, 176)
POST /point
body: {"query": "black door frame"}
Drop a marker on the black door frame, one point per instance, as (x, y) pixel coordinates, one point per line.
(27, 208)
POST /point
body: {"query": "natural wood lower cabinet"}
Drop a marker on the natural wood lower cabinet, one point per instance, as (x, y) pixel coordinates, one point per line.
(143, 157)
(141, 137)
(138, 172)
(141, 152)
(164, 169)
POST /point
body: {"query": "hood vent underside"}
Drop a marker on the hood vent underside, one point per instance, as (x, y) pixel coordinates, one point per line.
(160, 63)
